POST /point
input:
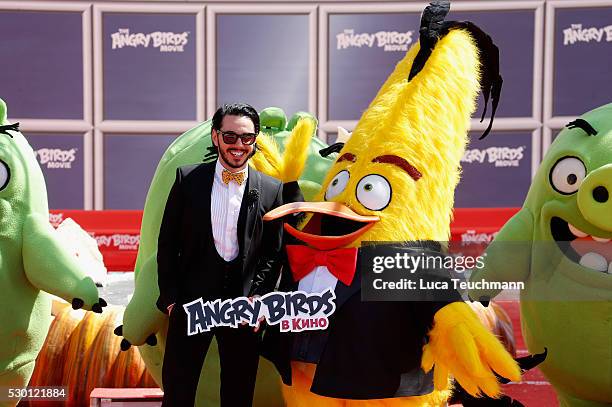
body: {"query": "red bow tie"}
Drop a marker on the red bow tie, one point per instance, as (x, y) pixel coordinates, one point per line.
(340, 262)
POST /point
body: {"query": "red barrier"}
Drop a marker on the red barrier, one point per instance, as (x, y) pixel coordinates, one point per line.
(102, 397)
(118, 232)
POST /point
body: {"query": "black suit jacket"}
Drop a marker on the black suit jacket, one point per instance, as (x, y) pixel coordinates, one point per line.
(185, 272)
(371, 350)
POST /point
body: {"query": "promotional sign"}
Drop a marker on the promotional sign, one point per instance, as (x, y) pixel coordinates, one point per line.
(496, 171)
(263, 60)
(61, 159)
(42, 64)
(582, 59)
(363, 50)
(293, 311)
(129, 165)
(119, 241)
(149, 66)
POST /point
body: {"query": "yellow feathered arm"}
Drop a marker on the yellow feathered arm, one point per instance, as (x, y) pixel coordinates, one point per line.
(296, 150)
(460, 345)
(290, 165)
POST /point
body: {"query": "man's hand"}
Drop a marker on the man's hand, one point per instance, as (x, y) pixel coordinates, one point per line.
(260, 320)
(169, 308)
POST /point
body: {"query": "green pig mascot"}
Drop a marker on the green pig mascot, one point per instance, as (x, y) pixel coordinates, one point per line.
(33, 262)
(143, 323)
(559, 246)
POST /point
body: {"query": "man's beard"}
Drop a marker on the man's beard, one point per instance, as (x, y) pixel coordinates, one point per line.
(227, 157)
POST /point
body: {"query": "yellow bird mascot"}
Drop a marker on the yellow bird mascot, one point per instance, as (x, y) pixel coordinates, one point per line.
(393, 181)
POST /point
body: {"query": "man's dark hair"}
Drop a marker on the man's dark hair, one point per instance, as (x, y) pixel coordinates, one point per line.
(235, 109)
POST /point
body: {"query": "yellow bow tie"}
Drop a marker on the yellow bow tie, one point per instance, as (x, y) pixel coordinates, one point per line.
(228, 176)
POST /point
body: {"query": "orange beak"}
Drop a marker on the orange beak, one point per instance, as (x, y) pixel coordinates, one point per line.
(309, 236)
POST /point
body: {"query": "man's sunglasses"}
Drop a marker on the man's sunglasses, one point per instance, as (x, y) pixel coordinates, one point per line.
(229, 137)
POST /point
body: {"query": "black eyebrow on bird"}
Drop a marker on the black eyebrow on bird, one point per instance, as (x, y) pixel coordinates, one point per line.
(584, 125)
(11, 127)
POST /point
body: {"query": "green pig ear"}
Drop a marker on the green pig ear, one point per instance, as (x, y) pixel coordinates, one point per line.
(272, 120)
(296, 118)
(2, 112)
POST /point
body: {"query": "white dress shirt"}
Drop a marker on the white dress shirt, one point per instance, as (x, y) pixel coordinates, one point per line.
(224, 210)
(318, 280)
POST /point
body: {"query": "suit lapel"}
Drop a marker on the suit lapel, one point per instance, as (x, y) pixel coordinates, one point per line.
(204, 198)
(248, 210)
(344, 292)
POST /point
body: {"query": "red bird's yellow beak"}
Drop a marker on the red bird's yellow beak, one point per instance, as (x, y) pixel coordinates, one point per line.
(327, 217)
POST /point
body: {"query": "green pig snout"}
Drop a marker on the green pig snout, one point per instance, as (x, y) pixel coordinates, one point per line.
(594, 197)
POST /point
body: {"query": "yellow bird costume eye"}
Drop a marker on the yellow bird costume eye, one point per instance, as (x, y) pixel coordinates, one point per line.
(337, 185)
(374, 192)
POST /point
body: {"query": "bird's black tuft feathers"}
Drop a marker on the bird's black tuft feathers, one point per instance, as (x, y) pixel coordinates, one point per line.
(490, 80)
(433, 27)
(432, 22)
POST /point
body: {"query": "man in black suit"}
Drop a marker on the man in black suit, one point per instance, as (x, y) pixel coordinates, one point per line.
(213, 244)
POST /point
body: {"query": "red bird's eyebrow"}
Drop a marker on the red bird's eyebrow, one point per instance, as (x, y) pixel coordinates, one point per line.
(347, 157)
(400, 162)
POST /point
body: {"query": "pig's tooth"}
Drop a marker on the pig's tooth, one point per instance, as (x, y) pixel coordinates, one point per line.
(595, 262)
(576, 232)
